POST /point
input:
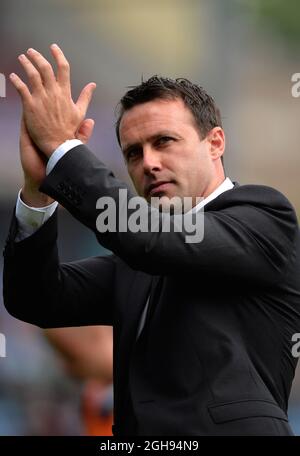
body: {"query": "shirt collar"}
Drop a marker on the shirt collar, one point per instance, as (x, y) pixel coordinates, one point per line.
(226, 185)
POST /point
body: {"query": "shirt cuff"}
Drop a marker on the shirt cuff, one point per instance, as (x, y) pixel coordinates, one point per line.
(60, 152)
(30, 219)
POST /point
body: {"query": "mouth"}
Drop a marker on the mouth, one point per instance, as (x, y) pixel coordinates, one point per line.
(158, 187)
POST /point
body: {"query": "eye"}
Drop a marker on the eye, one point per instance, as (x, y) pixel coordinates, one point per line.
(132, 154)
(164, 140)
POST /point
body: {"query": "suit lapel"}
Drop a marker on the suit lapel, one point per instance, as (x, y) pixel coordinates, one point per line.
(155, 289)
(135, 304)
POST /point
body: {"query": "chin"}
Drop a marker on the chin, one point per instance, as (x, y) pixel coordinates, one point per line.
(164, 203)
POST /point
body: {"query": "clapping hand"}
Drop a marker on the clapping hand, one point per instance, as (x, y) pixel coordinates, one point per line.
(49, 117)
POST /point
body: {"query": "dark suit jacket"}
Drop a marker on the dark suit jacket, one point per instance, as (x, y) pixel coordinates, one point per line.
(215, 356)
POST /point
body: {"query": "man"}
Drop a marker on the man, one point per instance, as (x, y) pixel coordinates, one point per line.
(202, 330)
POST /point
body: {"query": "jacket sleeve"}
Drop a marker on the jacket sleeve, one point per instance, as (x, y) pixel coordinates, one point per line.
(241, 239)
(39, 290)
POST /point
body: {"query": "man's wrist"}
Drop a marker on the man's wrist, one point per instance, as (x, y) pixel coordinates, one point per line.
(60, 152)
(34, 198)
(49, 149)
(30, 219)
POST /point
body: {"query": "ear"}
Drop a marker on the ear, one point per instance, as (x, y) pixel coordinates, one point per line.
(216, 139)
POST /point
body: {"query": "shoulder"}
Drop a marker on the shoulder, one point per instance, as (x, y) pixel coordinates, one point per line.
(259, 209)
(260, 196)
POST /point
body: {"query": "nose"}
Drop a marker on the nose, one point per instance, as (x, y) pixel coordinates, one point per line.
(151, 160)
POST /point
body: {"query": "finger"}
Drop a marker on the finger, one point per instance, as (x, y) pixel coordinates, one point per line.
(44, 67)
(85, 130)
(21, 88)
(32, 73)
(63, 67)
(85, 97)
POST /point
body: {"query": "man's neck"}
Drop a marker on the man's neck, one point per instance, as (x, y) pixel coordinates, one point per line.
(225, 185)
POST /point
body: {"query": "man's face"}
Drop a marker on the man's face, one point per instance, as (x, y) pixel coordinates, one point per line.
(164, 152)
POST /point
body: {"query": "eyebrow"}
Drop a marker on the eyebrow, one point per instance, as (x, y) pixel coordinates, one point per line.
(129, 147)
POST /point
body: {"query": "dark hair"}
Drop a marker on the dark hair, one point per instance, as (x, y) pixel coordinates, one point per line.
(202, 106)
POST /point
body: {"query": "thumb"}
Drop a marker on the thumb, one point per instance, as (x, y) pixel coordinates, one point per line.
(85, 130)
(85, 97)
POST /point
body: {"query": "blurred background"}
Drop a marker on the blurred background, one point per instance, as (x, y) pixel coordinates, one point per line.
(244, 53)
